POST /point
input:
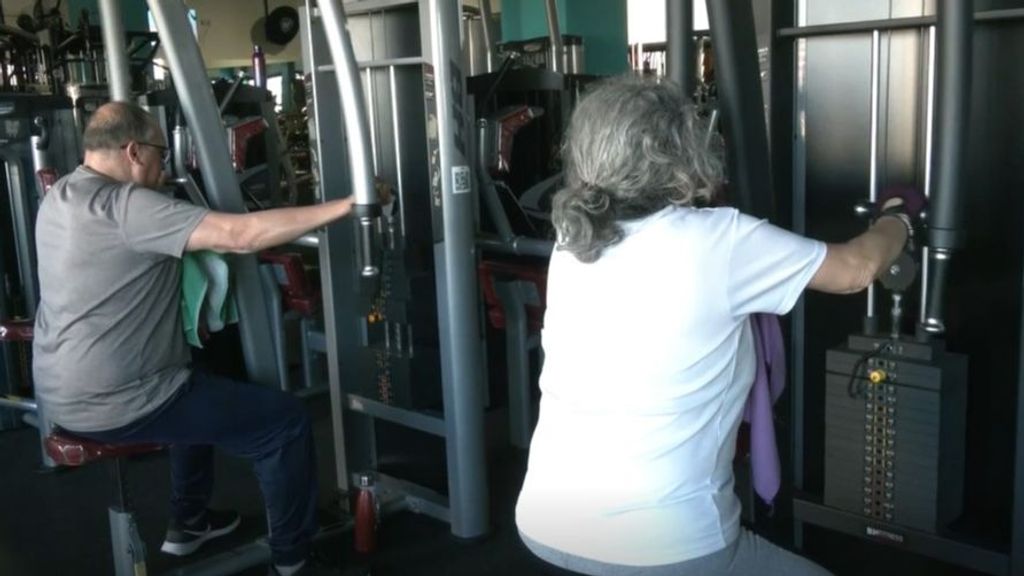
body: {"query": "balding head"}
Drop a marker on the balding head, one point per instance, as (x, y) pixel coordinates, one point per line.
(117, 123)
(124, 142)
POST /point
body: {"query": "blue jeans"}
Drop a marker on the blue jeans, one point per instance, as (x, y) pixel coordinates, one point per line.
(266, 426)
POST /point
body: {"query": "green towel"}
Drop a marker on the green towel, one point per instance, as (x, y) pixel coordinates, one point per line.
(206, 294)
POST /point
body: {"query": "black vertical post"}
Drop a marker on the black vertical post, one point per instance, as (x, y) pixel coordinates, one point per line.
(789, 209)
(952, 109)
(742, 105)
(682, 58)
(1017, 529)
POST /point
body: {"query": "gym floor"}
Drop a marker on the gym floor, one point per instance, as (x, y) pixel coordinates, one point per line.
(55, 523)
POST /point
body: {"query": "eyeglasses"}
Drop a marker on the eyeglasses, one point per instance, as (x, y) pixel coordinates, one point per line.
(165, 152)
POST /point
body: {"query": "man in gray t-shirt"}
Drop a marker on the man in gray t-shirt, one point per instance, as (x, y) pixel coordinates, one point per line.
(109, 357)
(108, 341)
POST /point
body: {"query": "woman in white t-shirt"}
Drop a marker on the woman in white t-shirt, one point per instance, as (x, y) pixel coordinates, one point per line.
(648, 351)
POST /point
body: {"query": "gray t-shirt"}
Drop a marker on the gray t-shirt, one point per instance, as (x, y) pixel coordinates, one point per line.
(109, 346)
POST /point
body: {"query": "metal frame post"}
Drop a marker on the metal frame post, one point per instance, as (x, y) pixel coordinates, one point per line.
(517, 354)
(112, 26)
(952, 109)
(485, 17)
(682, 52)
(742, 104)
(457, 289)
(555, 37)
(23, 225)
(336, 245)
(195, 95)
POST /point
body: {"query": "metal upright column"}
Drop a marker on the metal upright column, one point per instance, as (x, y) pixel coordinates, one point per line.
(335, 243)
(739, 90)
(113, 45)
(485, 17)
(22, 220)
(555, 37)
(952, 109)
(682, 53)
(457, 290)
(200, 108)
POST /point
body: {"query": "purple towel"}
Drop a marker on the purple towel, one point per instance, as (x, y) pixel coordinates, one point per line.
(769, 380)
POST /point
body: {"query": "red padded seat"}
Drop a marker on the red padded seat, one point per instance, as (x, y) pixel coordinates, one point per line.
(492, 271)
(69, 450)
(299, 294)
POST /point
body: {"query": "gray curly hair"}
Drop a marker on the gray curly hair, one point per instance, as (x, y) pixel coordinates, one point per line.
(633, 147)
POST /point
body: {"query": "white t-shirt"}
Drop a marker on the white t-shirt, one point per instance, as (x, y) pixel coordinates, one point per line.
(648, 362)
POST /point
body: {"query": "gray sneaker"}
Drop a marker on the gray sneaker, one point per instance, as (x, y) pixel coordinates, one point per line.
(184, 539)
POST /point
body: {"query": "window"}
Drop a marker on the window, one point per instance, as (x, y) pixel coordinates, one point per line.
(276, 86)
(647, 20)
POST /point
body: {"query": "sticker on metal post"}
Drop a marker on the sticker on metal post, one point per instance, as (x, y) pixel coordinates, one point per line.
(461, 183)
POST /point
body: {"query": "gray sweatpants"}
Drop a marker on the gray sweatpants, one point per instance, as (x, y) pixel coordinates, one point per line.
(748, 555)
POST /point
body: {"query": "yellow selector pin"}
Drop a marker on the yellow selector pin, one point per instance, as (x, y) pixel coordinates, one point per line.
(877, 376)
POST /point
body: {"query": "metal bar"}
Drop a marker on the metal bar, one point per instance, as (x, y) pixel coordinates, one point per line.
(517, 354)
(988, 17)
(367, 6)
(231, 93)
(416, 420)
(456, 281)
(112, 26)
(855, 27)
(371, 119)
(277, 160)
(40, 143)
(944, 549)
(1006, 15)
(396, 140)
(742, 104)
(929, 114)
(486, 19)
(275, 314)
(128, 553)
(554, 37)
(22, 224)
(417, 498)
(308, 240)
(200, 108)
(681, 50)
(489, 193)
(799, 185)
(518, 245)
(18, 403)
(952, 113)
(367, 208)
(876, 43)
(929, 140)
(180, 145)
(335, 244)
(382, 63)
(1017, 528)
